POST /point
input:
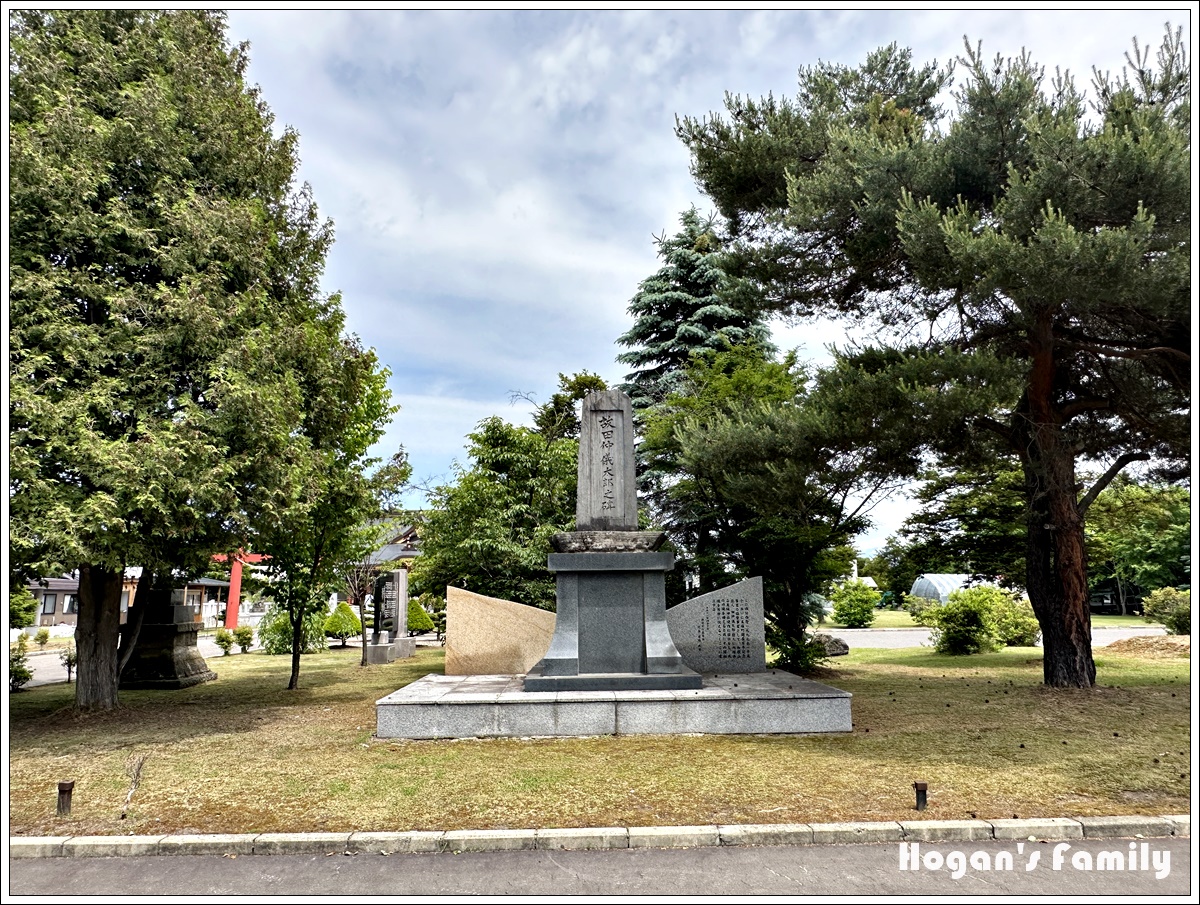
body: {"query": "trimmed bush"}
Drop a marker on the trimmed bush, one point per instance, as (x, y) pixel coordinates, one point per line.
(418, 619)
(224, 639)
(854, 604)
(436, 607)
(243, 636)
(1171, 607)
(275, 632)
(42, 638)
(342, 623)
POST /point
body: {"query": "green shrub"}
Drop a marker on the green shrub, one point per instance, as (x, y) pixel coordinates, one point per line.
(1179, 622)
(981, 619)
(224, 639)
(1016, 625)
(69, 658)
(342, 623)
(963, 626)
(243, 636)
(418, 619)
(798, 657)
(18, 664)
(275, 632)
(854, 604)
(42, 637)
(919, 607)
(1164, 606)
(436, 607)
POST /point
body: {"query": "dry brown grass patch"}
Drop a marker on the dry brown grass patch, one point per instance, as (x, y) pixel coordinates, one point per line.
(244, 755)
(1153, 646)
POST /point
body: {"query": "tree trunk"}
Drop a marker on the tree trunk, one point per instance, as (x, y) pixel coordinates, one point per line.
(1056, 559)
(297, 646)
(362, 616)
(98, 626)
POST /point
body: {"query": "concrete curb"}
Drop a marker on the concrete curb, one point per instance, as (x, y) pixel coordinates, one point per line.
(583, 839)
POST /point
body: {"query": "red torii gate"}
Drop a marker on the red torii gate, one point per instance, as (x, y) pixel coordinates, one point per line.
(233, 604)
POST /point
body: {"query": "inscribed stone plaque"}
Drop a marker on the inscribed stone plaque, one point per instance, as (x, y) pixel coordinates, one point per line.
(389, 592)
(723, 631)
(607, 494)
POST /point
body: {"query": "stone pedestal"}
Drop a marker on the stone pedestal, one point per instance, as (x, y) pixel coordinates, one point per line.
(610, 632)
(498, 707)
(379, 649)
(166, 656)
(386, 650)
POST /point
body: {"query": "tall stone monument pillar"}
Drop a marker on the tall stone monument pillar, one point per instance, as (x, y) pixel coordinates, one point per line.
(611, 629)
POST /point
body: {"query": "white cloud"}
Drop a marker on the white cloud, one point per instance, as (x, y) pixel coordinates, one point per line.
(496, 177)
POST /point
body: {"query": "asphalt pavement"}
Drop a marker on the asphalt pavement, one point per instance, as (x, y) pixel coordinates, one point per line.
(1075, 868)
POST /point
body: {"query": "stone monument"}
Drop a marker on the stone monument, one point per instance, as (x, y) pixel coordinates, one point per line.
(612, 666)
(166, 654)
(722, 631)
(388, 640)
(610, 632)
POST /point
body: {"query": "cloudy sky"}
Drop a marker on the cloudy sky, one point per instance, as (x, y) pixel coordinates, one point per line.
(496, 178)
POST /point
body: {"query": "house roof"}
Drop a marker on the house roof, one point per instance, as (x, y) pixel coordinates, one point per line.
(391, 552)
(208, 583)
(58, 583)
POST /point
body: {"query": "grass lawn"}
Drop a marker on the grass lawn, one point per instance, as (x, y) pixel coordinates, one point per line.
(243, 755)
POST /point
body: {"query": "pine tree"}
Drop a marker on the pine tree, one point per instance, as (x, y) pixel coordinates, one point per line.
(1024, 252)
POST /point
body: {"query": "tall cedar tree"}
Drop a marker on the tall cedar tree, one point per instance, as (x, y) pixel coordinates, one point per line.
(164, 302)
(1025, 236)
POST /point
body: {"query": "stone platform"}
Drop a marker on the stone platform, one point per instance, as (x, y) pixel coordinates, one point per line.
(772, 702)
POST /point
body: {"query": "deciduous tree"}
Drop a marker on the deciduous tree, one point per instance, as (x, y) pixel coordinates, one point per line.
(1139, 534)
(490, 530)
(307, 540)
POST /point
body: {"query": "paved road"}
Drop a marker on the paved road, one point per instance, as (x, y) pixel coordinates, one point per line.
(728, 870)
(47, 668)
(915, 637)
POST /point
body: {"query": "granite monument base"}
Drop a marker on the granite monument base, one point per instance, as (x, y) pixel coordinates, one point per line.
(772, 702)
(610, 630)
(385, 651)
(166, 656)
(404, 647)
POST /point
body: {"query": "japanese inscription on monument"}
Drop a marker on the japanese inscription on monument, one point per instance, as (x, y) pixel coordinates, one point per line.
(724, 632)
(607, 494)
